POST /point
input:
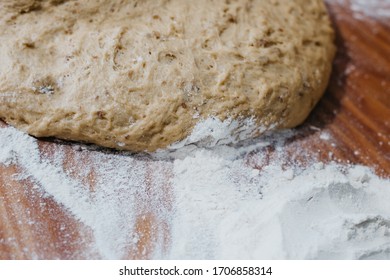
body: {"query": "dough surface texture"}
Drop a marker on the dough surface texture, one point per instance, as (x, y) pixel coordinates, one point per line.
(139, 75)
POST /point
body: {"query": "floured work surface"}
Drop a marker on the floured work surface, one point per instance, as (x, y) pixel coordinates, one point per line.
(294, 191)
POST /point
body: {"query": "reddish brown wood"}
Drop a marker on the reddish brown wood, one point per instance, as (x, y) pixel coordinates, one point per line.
(32, 226)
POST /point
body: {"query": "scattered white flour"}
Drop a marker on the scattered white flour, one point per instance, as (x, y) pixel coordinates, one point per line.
(378, 9)
(212, 132)
(215, 203)
(373, 8)
(325, 136)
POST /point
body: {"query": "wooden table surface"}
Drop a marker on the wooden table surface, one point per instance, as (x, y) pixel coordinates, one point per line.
(355, 111)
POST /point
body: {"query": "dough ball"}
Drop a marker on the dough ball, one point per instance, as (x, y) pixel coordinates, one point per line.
(140, 75)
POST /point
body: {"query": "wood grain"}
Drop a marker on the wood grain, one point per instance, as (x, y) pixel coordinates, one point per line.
(355, 111)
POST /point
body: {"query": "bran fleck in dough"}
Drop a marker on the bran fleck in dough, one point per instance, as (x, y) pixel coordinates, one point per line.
(139, 75)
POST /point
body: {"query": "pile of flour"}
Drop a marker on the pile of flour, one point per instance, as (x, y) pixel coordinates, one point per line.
(216, 203)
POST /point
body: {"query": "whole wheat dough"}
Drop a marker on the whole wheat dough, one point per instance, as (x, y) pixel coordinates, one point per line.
(139, 75)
